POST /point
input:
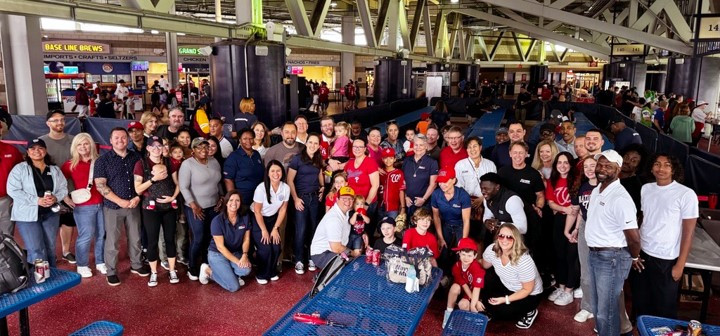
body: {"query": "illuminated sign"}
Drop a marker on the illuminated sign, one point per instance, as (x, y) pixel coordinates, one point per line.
(189, 51)
(637, 49)
(76, 47)
(70, 70)
(709, 28)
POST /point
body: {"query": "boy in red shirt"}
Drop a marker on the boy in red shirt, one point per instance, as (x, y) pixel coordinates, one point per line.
(392, 186)
(419, 235)
(469, 279)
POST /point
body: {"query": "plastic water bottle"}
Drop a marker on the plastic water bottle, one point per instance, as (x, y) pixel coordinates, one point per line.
(411, 280)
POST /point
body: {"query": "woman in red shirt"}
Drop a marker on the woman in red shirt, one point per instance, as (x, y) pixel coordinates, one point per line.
(88, 214)
(363, 176)
(567, 269)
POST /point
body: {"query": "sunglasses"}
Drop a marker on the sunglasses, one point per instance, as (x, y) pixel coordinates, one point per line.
(502, 236)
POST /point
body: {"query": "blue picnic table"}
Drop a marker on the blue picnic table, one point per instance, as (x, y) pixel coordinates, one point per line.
(58, 282)
(364, 301)
(646, 322)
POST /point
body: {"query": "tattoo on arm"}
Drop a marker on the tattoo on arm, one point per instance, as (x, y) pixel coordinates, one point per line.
(101, 185)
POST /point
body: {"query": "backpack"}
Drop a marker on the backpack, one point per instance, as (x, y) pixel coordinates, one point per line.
(165, 187)
(331, 270)
(14, 271)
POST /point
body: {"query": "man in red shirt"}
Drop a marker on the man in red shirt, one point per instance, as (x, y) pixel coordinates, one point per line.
(324, 94)
(9, 157)
(392, 186)
(455, 151)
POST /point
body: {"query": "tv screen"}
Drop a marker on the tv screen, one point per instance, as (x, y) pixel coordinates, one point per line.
(139, 65)
(70, 70)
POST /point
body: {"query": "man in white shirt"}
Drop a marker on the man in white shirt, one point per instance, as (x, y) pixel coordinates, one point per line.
(164, 83)
(612, 236)
(700, 117)
(121, 91)
(216, 130)
(332, 233)
(670, 212)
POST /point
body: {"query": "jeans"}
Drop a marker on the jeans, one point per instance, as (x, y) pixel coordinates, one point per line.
(90, 222)
(588, 300)
(200, 241)
(224, 272)
(267, 254)
(40, 236)
(608, 269)
(305, 223)
(452, 234)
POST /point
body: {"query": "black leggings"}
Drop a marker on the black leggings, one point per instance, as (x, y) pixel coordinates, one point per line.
(567, 263)
(495, 288)
(152, 221)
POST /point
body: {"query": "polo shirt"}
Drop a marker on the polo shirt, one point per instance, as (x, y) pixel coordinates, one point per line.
(307, 178)
(359, 178)
(417, 175)
(566, 147)
(664, 208)
(468, 176)
(118, 171)
(333, 227)
(625, 137)
(277, 198)
(243, 120)
(245, 171)
(448, 158)
(233, 235)
(10, 157)
(609, 213)
(451, 210)
(413, 239)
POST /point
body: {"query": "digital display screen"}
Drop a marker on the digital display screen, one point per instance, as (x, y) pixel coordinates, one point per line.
(70, 70)
(139, 66)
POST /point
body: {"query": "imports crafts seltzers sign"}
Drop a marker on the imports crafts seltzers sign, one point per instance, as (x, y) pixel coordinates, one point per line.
(75, 47)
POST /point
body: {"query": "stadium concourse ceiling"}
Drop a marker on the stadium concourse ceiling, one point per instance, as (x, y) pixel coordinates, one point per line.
(465, 29)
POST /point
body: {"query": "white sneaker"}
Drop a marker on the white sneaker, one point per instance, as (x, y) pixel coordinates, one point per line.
(275, 278)
(564, 299)
(578, 293)
(241, 282)
(84, 271)
(153, 280)
(261, 281)
(299, 268)
(191, 276)
(101, 268)
(173, 277)
(555, 294)
(446, 317)
(204, 277)
(311, 266)
(583, 316)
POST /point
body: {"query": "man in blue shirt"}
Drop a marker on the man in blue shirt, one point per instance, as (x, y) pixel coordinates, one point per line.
(623, 135)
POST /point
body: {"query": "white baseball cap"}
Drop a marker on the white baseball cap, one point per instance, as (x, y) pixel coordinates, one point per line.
(701, 103)
(612, 156)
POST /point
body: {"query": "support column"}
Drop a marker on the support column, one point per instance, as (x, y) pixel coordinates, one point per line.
(171, 54)
(347, 59)
(23, 64)
(218, 15)
(248, 11)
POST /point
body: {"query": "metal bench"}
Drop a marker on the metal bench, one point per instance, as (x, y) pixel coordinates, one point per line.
(100, 328)
(465, 323)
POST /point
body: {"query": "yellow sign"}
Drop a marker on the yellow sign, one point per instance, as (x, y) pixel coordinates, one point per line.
(76, 47)
(709, 27)
(637, 49)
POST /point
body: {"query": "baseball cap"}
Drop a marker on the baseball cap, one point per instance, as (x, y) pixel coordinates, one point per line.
(135, 125)
(347, 191)
(153, 139)
(612, 156)
(702, 102)
(616, 119)
(501, 130)
(547, 127)
(36, 142)
(197, 142)
(53, 112)
(388, 220)
(466, 244)
(424, 116)
(388, 152)
(445, 175)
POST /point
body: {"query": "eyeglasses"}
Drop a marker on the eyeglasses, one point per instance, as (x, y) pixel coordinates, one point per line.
(55, 121)
(504, 237)
(156, 146)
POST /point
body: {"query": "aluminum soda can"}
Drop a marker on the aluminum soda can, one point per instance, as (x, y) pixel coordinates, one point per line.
(39, 271)
(376, 258)
(369, 255)
(694, 328)
(46, 265)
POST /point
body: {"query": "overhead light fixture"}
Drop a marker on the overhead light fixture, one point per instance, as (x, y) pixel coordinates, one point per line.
(154, 32)
(333, 4)
(181, 34)
(454, 1)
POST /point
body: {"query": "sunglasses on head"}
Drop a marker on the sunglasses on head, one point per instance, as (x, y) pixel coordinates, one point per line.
(502, 236)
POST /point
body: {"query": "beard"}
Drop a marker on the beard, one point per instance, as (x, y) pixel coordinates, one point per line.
(289, 142)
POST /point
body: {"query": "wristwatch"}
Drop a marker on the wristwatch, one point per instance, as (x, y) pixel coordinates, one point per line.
(507, 300)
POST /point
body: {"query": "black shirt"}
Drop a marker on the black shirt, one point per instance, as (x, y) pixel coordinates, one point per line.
(381, 245)
(164, 132)
(43, 182)
(119, 174)
(633, 185)
(106, 109)
(525, 182)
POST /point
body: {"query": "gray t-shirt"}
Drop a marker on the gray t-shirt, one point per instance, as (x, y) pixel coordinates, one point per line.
(199, 182)
(281, 153)
(59, 150)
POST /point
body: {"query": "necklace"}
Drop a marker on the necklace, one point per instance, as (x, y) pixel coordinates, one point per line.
(418, 166)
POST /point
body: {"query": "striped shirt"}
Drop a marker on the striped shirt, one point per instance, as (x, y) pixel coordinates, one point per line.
(513, 276)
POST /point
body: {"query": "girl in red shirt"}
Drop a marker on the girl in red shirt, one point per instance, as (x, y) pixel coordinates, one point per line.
(339, 181)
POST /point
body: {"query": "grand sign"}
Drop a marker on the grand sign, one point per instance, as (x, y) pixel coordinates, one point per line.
(75, 47)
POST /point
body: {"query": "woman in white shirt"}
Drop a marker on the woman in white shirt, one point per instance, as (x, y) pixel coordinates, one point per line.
(468, 173)
(261, 142)
(270, 207)
(513, 285)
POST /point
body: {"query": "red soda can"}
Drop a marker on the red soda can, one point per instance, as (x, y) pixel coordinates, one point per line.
(39, 271)
(376, 258)
(369, 255)
(46, 265)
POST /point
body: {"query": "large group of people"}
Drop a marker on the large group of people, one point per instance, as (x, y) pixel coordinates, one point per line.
(505, 223)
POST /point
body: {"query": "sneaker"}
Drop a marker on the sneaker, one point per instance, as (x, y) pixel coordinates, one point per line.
(203, 276)
(142, 271)
(526, 321)
(275, 278)
(261, 281)
(165, 265)
(153, 280)
(578, 293)
(182, 261)
(555, 294)
(241, 282)
(113, 280)
(445, 282)
(446, 317)
(311, 266)
(84, 271)
(299, 268)
(564, 299)
(69, 257)
(173, 277)
(101, 268)
(192, 276)
(583, 316)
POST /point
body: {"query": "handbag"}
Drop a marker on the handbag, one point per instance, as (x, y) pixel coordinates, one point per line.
(79, 196)
(14, 272)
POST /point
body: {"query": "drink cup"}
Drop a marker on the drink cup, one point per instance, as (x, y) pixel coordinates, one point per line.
(712, 200)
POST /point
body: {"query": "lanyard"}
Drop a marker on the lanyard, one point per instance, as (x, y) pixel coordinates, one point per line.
(417, 166)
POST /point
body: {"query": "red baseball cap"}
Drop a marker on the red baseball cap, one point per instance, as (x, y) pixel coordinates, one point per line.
(424, 115)
(388, 152)
(135, 125)
(445, 175)
(466, 244)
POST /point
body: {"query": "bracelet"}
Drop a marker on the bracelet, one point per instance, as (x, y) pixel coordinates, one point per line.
(507, 300)
(635, 259)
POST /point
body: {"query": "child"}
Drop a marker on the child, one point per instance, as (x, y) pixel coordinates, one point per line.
(409, 144)
(340, 150)
(423, 124)
(392, 190)
(387, 228)
(469, 279)
(358, 218)
(339, 181)
(419, 235)
(177, 155)
(315, 107)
